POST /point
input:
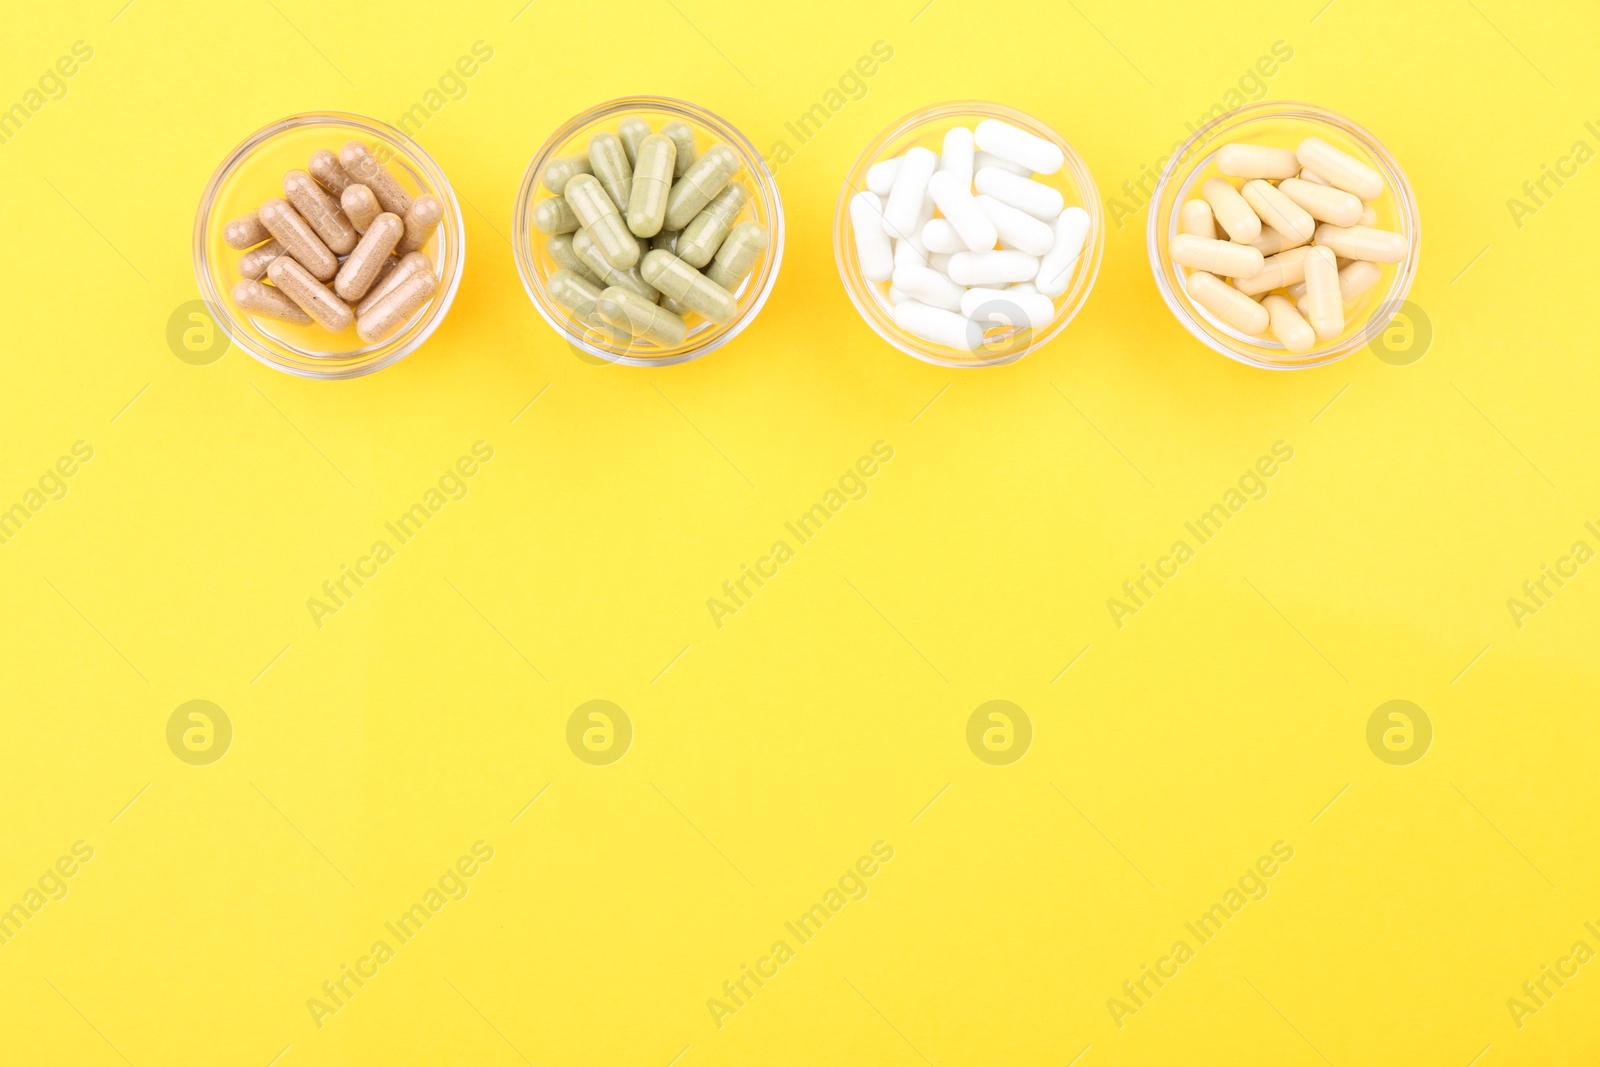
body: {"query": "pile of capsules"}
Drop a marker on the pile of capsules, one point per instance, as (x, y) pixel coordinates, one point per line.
(646, 233)
(929, 225)
(1300, 240)
(347, 222)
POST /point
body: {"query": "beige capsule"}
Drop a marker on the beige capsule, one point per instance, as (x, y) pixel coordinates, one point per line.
(1355, 278)
(1323, 202)
(1233, 213)
(250, 295)
(558, 172)
(362, 167)
(1278, 211)
(1215, 257)
(628, 310)
(608, 160)
(314, 298)
(554, 215)
(253, 264)
(420, 222)
(1287, 326)
(652, 181)
(299, 240)
(675, 278)
(1271, 242)
(1342, 170)
(360, 205)
(397, 305)
(683, 137)
(707, 230)
(321, 211)
(739, 254)
(393, 273)
(244, 231)
(1196, 220)
(1363, 242)
(1241, 160)
(1369, 216)
(1324, 306)
(361, 267)
(704, 179)
(326, 168)
(1226, 302)
(598, 215)
(1284, 269)
(1309, 175)
(629, 279)
(633, 130)
(560, 249)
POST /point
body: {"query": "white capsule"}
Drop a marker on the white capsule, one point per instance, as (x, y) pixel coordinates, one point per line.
(1019, 146)
(929, 286)
(1287, 326)
(880, 176)
(940, 261)
(1324, 305)
(937, 325)
(1342, 170)
(907, 254)
(992, 268)
(1024, 287)
(1018, 230)
(939, 236)
(957, 155)
(982, 159)
(1008, 307)
(902, 211)
(953, 196)
(1060, 263)
(1226, 302)
(872, 244)
(896, 296)
(1024, 194)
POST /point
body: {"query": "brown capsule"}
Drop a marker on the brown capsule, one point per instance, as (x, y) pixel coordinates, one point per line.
(244, 231)
(321, 210)
(398, 305)
(420, 222)
(314, 298)
(325, 167)
(403, 268)
(299, 239)
(253, 264)
(362, 167)
(359, 203)
(250, 295)
(361, 267)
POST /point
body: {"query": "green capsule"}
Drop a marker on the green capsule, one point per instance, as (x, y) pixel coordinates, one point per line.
(707, 230)
(629, 279)
(709, 175)
(558, 172)
(630, 311)
(667, 240)
(560, 249)
(683, 137)
(652, 181)
(599, 217)
(609, 161)
(673, 306)
(574, 292)
(633, 130)
(739, 254)
(555, 215)
(675, 278)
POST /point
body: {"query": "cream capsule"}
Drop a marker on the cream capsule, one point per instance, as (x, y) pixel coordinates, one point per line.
(1271, 242)
(360, 206)
(683, 137)
(420, 222)
(1309, 175)
(326, 168)
(554, 215)
(1355, 278)
(362, 167)
(630, 279)
(707, 230)
(738, 255)
(675, 278)
(608, 161)
(392, 274)
(397, 306)
(1369, 216)
(1283, 269)
(938, 326)
(598, 215)
(1226, 302)
(244, 231)
(299, 239)
(993, 268)
(558, 172)
(321, 211)
(360, 268)
(1215, 257)
(1257, 161)
(629, 311)
(632, 131)
(704, 179)
(1232, 211)
(1362, 242)
(1287, 326)
(253, 264)
(1059, 264)
(1323, 202)
(873, 248)
(1324, 306)
(1017, 230)
(1278, 211)
(1342, 170)
(560, 249)
(652, 182)
(1196, 220)
(928, 286)
(314, 298)
(250, 295)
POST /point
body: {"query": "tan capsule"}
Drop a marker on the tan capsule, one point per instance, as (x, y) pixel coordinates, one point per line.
(652, 181)
(314, 298)
(253, 264)
(1278, 211)
(299, 239)
(1196, 220)
(1226, 302)
(362, 167)
(361, 267)
(1257, 161)
(420, 222)
(683, 137)
(560, 249)
(1323, 202)
(397, 305)
(739, 254)
(1271, 242)
(360, 205)
(1287, 326)
(689, 287)
(250, 295)
(595, 211)
(704, 179)
(321, 211)
(629, 311)
(1215, 257)
(554, 215)
(244, 231)
(558, 172)
(707, 230)
(1342, 170)
(1233, 213)
(1363, 242)
(325, 167)
(629, 279)
(1324, 307)
(1283, 269)
(395, 272)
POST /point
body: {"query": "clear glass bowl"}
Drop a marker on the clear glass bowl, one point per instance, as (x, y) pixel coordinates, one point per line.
(1282, 125)
(535, 264)
(927, 128)
(252, 173)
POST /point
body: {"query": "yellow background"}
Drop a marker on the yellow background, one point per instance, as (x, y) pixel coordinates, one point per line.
(369, 754)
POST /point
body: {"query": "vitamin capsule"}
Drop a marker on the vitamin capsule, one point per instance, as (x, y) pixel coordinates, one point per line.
(939, 236)
(940, 262)
(956, 156)
(558, 172)
(359, 205)
(938, 326)
(250, 295)
(929, 286)
(739, 254)
(652, 181)
(575, 293)
(1342, 170)
(1279, 210)
(1059, 264)
(880, 176)
(704, 179)
(1287, 326)
(991, 268)
(1355, 278)
(1017, 230)
(641, 318)
(397, 306)
(1324, 306)
(314, 298)
(1019, 146)
(667, 239)
(598, 215)
(674, 307)
(1226, 302)
(253, 264)
(1232, 211)
(420, 222)
(554, 215)
(1284, 269)
(1024, 194)
(683, 137)
(397, 271)
(1271, 242)
(1362, 242)
(1309, 175)
(707, 230)
(632, 131)
(872, 243)
(1215, 257)
(1008, 307)
(689, 287)
(1257, 161)
(902, 211)
(608, 160)
(1323, 202)
(1196, 220)
(952, 194)
(630, 279)
(1024, 287)
(321, 211)
(560, 249)
(360, 268)
(325, 167)
(1369, 216)
(982, 159)
(299, 239)
(896, 297)
(908, 254)
(361, 167)
(244, 231)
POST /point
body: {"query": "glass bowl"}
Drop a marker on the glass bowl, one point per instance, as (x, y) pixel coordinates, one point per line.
(927, 128)
(1282, 125)
(252, 173)
(535, 264)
